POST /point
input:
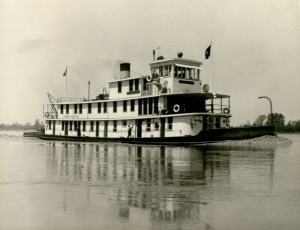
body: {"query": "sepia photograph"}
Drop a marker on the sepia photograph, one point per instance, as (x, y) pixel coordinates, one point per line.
(149, 114)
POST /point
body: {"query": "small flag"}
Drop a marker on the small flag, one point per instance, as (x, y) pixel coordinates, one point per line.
(207, 52)
(66, 71)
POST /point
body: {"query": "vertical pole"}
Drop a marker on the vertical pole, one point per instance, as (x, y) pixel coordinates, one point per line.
(66, 85)
(89, 90)
(212, 69)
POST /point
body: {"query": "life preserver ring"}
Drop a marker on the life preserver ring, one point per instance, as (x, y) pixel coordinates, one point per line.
(176, 108)
(47, 114)
(149, 78)
(226, 110)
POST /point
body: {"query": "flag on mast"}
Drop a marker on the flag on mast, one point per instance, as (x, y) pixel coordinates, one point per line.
(66, 72)
(207, 52)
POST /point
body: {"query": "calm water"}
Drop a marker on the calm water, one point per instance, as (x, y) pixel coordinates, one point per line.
(68, 185)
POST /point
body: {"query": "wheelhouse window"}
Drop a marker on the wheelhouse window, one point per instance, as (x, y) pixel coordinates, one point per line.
(61, 109)
(124, 106)
(114, 106)
(187, 73)
(119, 87)
(89, 107)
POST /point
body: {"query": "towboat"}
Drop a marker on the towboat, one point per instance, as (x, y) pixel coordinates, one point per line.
(168, 106)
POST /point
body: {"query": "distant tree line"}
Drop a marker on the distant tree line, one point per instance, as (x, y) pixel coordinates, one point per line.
(16, 126)
(278, 121)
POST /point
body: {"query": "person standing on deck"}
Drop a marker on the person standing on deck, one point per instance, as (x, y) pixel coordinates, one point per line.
(129, 130)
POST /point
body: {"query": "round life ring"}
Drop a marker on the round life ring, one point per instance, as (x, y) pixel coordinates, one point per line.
(47, 114)
(226, 110)
(176, 108)
(149, 78)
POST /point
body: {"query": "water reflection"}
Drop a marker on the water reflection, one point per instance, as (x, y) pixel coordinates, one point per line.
(172, 184)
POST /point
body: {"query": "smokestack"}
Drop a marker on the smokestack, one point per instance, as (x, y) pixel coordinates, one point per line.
(125, 70)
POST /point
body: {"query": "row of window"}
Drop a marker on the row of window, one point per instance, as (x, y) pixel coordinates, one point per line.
(133, 85)
(178, 72)
(145, 106)
(73, 125)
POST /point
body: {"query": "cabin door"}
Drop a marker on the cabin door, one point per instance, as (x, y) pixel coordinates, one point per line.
(97, 128)
(139, 128)
(66, 128)
(105, 128)
(54, 124)
(162, 127)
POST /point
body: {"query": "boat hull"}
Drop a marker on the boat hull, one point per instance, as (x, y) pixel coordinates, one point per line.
(205, 136)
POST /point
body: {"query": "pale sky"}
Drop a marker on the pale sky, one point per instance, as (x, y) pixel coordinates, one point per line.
(256, 49)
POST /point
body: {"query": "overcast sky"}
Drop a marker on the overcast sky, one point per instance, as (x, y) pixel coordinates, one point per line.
(256, 49)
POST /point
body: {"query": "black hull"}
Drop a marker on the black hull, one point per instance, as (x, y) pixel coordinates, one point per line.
(205, 136)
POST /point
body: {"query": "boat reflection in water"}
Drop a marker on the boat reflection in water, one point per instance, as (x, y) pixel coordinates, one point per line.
(174, 184)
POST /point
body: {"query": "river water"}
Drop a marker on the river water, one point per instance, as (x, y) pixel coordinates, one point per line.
(69, 185)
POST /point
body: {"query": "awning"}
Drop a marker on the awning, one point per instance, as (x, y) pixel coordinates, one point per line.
(189, 66)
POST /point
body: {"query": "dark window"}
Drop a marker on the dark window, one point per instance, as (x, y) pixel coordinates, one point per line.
(92, 126)
(130, 85)
(136, 82)
(61, 109)
(115, 124)
(105, 107)
(132, 105)
(119, 87)
(148, 122)
(83, 126)
(115, 106)
(140, 106)
(145, 84)
(124, 106)
(124, 123)
(62, 125)
(145, 106)
(80, 108)
(150, 105)
(170, 123)
(71, 125)
(99, 107)
(50, 123)
(89, 108)
(67, 109)
(75, 108)
(155, 105)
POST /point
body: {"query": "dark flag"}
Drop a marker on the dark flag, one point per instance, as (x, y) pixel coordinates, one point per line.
(66, 71)
(207, 52)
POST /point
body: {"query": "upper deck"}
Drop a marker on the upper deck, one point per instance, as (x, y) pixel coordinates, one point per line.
(176, 75)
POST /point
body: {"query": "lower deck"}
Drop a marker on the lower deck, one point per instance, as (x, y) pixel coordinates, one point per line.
(160, 126)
